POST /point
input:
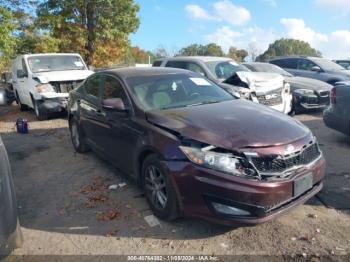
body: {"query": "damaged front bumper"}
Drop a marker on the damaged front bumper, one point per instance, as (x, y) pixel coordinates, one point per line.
(308, 101)
(249, 201)
(53, 103)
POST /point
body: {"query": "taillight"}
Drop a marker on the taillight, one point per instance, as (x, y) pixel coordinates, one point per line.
(333, 95)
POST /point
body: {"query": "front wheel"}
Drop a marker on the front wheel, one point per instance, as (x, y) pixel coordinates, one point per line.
(22, 107)
(77, 137)
(40, 114)
(159, 190)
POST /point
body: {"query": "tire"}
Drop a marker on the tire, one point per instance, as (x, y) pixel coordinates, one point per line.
(77, 137)
(22, 107)
(163, 200)
(39, 113)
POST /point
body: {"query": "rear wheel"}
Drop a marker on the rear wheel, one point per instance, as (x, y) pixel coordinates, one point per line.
(77, 137)
(159, 189)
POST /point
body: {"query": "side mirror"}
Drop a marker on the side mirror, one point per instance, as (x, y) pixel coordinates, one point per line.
(316, 69)
(115, 104)
(21, 73)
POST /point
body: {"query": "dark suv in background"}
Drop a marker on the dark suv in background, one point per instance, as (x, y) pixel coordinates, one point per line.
(313, 67)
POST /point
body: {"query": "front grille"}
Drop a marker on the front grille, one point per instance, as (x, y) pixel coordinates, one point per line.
(280, 164)
(65, 86)
(272, 99)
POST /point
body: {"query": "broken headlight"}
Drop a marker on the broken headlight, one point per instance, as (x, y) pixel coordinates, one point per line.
(225, 162)
(44, 88)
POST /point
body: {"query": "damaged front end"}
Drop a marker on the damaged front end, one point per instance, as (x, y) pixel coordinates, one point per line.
(52, 96)
(263, 88)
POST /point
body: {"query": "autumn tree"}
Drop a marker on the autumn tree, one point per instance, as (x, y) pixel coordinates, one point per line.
(237, 54)
(284, 46)
(98, 29)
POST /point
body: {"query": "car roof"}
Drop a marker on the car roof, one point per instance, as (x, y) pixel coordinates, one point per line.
(198, 58)
(256, 63)
(51, 54)
(294, 56)
(147, 71)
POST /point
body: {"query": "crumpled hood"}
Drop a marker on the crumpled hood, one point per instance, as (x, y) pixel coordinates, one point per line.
(307, 83)
(69, 75)
(232, 124)
(260, 82)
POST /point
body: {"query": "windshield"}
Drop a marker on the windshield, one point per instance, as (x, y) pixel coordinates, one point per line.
(225, 69)
(326, 64)
(171, 91)
(268, 68)
(39, 64)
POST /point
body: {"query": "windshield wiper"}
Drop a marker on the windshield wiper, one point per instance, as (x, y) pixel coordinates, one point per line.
(205, 103)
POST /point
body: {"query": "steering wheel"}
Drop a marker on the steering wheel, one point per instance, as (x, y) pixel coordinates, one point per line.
(194, 95)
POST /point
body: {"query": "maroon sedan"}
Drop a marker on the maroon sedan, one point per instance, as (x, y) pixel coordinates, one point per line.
(194, 149)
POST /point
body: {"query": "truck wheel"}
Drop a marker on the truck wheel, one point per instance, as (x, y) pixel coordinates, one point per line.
(39, 113)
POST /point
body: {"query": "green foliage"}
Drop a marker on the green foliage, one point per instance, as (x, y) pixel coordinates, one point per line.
(284, 47)
(202, 50)
(7, 40)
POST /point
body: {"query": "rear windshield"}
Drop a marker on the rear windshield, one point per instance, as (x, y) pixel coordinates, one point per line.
(39, 64)
(224, 69)
(172, 91)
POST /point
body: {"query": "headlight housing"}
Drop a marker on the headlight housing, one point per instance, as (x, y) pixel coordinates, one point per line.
(304, 91)
(44, 88)
(224, 162)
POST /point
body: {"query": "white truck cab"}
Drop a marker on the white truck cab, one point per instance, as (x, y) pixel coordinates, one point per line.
(42, 81)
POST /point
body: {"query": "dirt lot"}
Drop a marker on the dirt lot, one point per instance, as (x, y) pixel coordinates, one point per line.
(66, 208)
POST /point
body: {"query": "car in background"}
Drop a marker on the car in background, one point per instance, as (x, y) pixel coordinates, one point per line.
(10, 233)
(6, 88)
(337, 115)
(307, 93)
(343, 63)
(312, 67)
(42, 81)
(265, 88)
(196, 150)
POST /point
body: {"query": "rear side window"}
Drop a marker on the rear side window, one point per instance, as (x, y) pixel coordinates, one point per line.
(290, 63)
(92, 86)
(157, 63)
(195, 68)
(177, 64)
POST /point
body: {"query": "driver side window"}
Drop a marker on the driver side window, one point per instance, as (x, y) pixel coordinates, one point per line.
(304, 64)
(112, 89)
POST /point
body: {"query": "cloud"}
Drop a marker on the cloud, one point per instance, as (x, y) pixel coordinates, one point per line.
(197, 12)
(272, 3)
(230, 13)
(226, 37)
(334, 45)
(223, 11)
(297, 29)
(338, 5)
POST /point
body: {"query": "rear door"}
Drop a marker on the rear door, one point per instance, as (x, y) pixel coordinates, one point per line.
(90, 109)
(288, 64)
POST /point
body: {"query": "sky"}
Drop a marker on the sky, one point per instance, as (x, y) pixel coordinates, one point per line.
(248, 24)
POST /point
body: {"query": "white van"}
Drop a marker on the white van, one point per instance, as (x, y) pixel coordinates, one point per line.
(42, 81)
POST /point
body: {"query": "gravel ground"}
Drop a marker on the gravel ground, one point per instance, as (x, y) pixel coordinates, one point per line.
(66, 207)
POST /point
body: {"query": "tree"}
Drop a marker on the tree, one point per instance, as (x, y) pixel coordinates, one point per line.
(202, 50)
(283, 47)
(7, 40)
(90, 27)
(237, 54)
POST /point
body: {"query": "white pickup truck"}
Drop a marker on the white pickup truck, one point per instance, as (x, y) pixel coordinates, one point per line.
(42, 81)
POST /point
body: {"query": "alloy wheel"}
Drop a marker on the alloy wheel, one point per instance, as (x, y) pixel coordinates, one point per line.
(156, 187)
